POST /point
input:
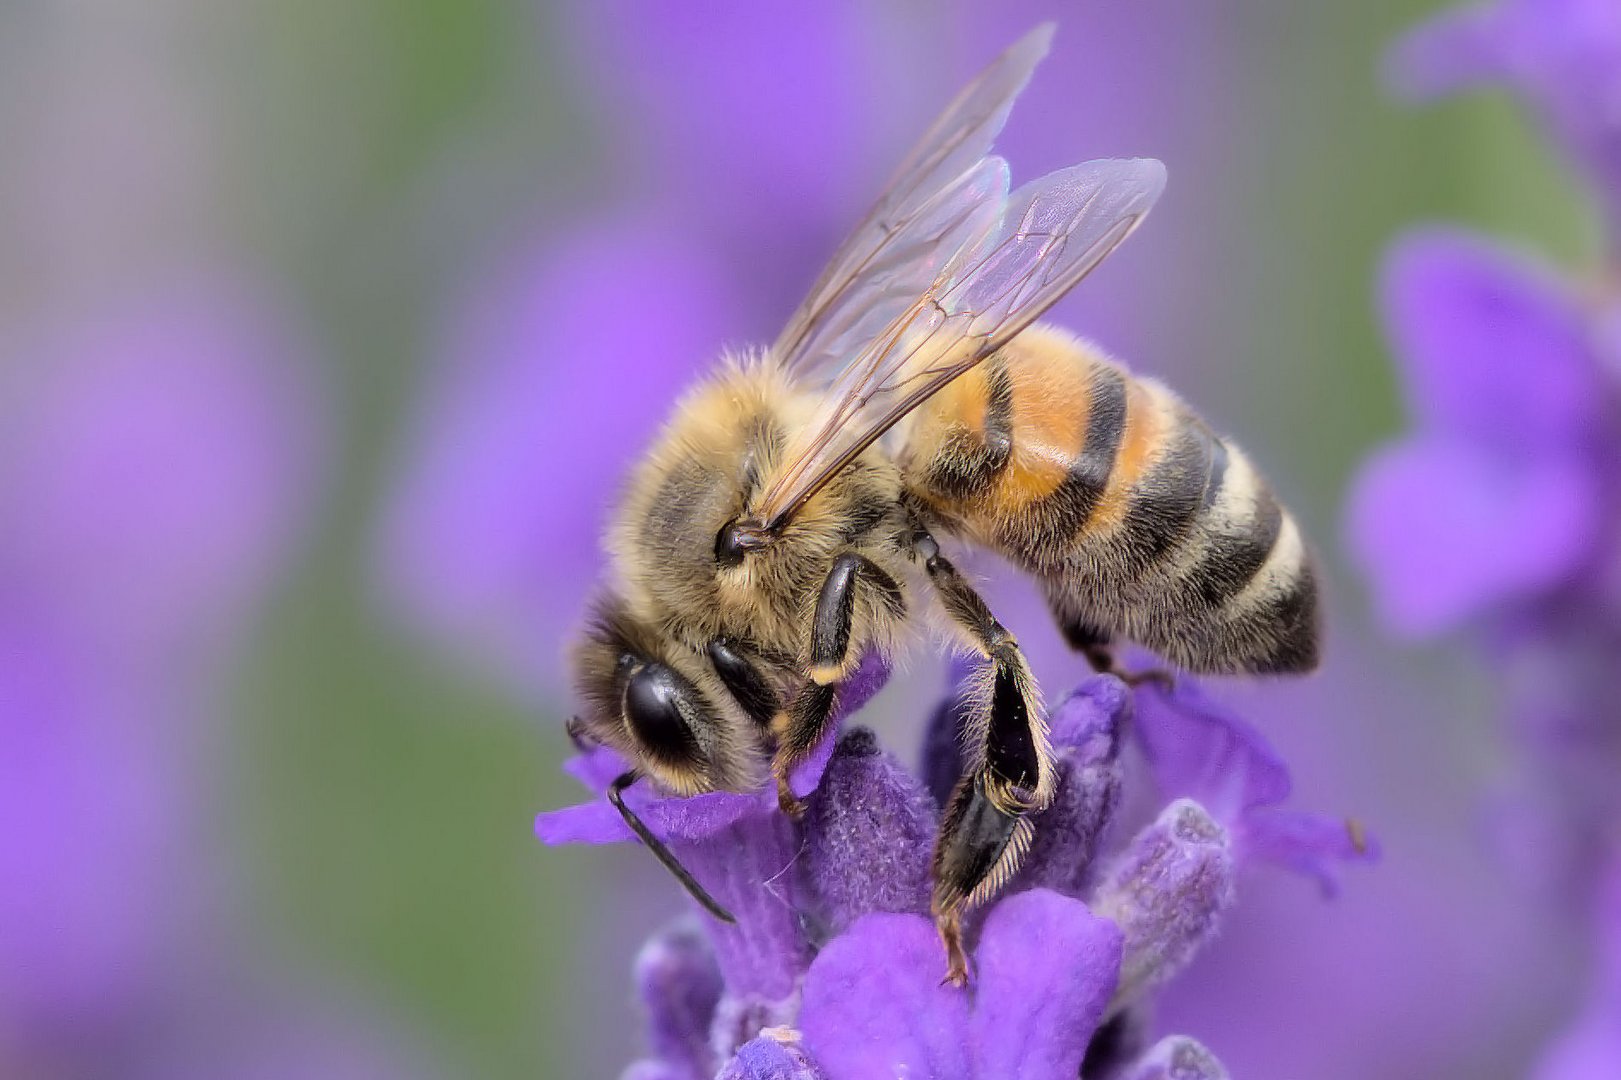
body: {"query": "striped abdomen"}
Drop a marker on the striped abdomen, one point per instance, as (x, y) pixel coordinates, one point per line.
(1139, 521)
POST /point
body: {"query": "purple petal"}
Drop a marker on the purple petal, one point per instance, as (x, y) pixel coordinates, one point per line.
(585, 823)
(1167, 893)
(766, 1058)
(1312, 845)
(670, 818)
(1045, 970)
(1493, 346)
(1446, 531)
(1177, 1057)
(488, 544)
(1071, 832)
(1088, 721)
(868, 833)
(596, 768)
(1197, 748)
(874, 1007)
(753, 867)
(679, 985)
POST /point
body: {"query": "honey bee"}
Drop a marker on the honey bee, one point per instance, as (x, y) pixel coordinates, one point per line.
(784, 523)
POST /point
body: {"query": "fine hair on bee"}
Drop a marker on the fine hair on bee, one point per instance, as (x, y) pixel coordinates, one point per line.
(787, 521)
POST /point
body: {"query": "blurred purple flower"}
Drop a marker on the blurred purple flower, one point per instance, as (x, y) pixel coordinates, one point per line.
(156, 465)
(1501, 511)
(1498, 497)
(1562, 56)
(557, 372)
(833, 947)
(1197, 749)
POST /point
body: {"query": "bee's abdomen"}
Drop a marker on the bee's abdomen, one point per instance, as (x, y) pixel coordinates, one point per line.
(1140, 521)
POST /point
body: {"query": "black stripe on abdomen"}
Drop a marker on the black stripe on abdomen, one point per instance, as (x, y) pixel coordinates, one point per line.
(1235, 554)
(1167, 500)
(1056, 521)
(969, 463)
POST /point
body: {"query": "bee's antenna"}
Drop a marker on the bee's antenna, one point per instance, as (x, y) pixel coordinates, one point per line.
(616, 795)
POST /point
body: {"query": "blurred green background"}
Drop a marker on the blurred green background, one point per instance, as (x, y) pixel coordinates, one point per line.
(372, 151)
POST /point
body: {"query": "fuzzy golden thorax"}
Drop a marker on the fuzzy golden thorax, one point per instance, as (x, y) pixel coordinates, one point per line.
(720, 450)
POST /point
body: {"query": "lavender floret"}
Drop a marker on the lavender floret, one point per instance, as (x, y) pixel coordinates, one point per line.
(834, 967)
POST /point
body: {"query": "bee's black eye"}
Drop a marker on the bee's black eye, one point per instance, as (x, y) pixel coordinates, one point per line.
(657, 704)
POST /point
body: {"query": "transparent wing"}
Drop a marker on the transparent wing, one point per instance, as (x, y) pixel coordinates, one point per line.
(1017, 257)
(923, 216)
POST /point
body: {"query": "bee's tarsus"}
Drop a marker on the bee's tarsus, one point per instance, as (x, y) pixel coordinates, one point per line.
(950, 927)
(791, 804)
(616, 796)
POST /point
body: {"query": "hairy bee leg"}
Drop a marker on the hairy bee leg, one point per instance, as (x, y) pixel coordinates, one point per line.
(743, 681)
(1093, 644)
(986, 828)
(803, 725)
(1014, 754)
(982, 841)
(616, 796)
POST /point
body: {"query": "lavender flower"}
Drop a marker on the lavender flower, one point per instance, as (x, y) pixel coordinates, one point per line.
(1501, 511)
(834, 967)
(1512, 372)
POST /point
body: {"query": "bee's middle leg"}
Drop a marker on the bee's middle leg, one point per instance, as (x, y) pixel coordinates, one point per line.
(833, 656)
(986, 827)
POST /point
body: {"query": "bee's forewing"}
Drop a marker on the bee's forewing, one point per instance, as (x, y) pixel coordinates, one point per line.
(1011, 260)
(891, 257)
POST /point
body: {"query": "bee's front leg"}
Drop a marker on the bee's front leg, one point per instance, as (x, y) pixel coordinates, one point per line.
(833, 656)
(986, 828)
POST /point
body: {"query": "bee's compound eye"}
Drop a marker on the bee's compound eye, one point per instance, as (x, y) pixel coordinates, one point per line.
(658, 703)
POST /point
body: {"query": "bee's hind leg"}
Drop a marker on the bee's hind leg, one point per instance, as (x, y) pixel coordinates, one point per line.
(986, 828)
(1095, 645)
(801, 727)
